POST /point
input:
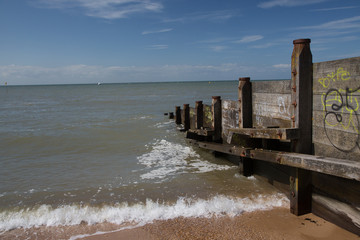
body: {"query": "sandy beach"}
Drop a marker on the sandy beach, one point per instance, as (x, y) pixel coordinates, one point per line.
(274, 224)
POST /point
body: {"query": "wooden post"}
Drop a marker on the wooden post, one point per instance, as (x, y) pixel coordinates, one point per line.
(199, 114)
(302, 95)
(216, 122)
(300, 192)
(245, 118)
(245, 103)
(171, 115)
(186, 117)
(178, 115)
(302, 102)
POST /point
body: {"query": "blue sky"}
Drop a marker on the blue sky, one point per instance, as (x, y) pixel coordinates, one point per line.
(90, 41)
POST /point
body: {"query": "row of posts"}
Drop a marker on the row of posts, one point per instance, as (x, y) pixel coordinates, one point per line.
(301, 98)
(216, 123)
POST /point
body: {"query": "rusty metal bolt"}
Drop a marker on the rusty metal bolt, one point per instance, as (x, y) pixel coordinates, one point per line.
(294, 103)
(294, 88)
(293, 194)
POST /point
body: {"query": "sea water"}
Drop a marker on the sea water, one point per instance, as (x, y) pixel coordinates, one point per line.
(71, 154)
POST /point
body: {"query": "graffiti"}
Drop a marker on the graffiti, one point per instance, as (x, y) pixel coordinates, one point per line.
(342, 110)
(282, 107)
(339, 75)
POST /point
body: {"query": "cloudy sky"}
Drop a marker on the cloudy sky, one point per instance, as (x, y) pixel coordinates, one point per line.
(90, 41)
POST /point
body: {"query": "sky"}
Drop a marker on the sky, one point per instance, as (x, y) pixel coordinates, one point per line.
(115, 41)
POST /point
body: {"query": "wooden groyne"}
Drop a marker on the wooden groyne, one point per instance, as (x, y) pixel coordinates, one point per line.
(301, 135)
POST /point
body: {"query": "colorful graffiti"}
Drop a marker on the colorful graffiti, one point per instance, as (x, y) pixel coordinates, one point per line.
(339, 75)
(340, 107)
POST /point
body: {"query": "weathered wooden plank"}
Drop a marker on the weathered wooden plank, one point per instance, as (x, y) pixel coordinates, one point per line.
(348, 123)
(343, 189)
(270, 109)
(207, 116)
(223, 148)
(230, 117)
(275, 86)
(337, 212)
(268, 133)
(337, 74)
(350, 103)
(332, 166)
(327, 150)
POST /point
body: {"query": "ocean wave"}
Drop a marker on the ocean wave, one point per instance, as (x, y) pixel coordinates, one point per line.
(140, 213)
(167, 159)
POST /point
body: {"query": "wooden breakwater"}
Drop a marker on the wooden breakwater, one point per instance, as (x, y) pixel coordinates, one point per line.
(301, 135)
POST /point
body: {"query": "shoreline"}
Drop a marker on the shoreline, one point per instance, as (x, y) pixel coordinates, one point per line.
(277, 223)
(274, 224)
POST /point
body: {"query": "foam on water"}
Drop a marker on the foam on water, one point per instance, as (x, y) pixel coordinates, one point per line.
(140, 213)
(167, 158)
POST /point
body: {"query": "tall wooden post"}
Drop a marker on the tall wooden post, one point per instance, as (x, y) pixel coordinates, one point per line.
(186, 117)
(217, 121)
(302, 101)
(177, 115)
(245, 118)
(245, 103)
(199, 114)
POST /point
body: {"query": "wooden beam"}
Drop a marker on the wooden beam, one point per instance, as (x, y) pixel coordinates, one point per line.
(268, 133)
(332, 166)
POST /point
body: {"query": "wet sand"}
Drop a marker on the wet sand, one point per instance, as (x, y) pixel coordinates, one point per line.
(270, 225)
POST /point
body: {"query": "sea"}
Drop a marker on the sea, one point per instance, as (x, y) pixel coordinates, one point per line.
(90, 154)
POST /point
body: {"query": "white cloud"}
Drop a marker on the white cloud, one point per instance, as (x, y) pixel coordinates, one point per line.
(159, 47)
(333, 9)
(251, 38)
(218, 48)
(157, 31)
(214, 16)
(287, 3)
(346, 23)
(282, 65)
(107, 9)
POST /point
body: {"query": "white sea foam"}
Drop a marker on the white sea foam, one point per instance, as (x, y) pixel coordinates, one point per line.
(140, 213)
(202, 166)
(167, 158)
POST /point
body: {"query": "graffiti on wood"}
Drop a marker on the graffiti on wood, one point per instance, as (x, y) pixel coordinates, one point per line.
(340, 109)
